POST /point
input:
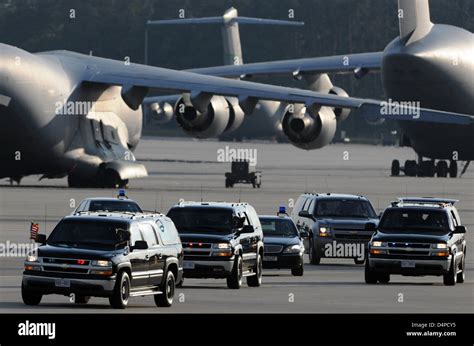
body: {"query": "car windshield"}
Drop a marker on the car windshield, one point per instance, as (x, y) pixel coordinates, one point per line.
(344, 208)
(202, 220)
(273, 227)
(415, 219)
(115, 206)
(89, 234)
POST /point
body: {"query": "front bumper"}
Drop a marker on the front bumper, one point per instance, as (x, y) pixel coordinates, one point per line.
(421, 267)
(283, 261)
(216, 269)
(89, 287)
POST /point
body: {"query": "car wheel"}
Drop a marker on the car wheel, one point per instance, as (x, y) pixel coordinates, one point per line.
(384, 278)
(314, 257)
(180, 284)
(120, 296)
(234, 281)
(165, 299)
(29, 297)
(450, 278)
(461, 277)
(80, 299)
(359, 261)
(298, 271)
(370, 275)
(256, 280)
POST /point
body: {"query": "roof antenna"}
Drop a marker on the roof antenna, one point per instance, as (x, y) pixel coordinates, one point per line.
(327, 186)
(156, 201)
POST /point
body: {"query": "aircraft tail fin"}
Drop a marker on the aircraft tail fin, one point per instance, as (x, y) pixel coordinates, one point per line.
(230, 30)
(414, 17)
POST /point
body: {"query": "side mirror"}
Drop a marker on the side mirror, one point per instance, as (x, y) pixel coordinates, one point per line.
(370, 226)
(40, 238)
(304, 234)
(140, 245)
(305, 214)
(247, 229)
(459, 230)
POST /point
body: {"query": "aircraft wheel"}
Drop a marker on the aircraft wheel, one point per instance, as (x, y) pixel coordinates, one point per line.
(453, 169)
(442, 169)
(395, 168)
(410, 168)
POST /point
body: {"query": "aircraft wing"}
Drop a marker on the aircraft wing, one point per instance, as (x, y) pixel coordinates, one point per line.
(351, 63)
(137, 80)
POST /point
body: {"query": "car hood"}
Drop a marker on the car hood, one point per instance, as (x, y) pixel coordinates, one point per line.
(346, 223)
(413, 236)
(70, 252)
(281, 241)
(205, 238)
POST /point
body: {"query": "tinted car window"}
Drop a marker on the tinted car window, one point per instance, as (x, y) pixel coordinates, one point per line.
(344, 208)
(118, 206)
(205, 220)
(149, 234)
(89, 234)
(409, 220)
(278, 228)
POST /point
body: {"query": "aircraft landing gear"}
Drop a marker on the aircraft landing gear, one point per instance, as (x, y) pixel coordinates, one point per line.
(426, 168)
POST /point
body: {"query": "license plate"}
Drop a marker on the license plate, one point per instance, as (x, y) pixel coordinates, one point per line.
(188, 265)
(270, 258)
(62, 283)
(408, 264)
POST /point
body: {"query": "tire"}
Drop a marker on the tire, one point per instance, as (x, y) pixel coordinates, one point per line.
(80, 299)
(461, 277)
(410, 168)
(453, 169)
(234, 281)
(370, 275)
(121, 295)
(166, 298)
(384, 278)
(298, 271)
(180, 284)
(426, 169)
(314, 257)
(442, 169)
(256, 280)
(227, 183)
(395, 168)
(358, 261)
(29, 297)
(450, 278)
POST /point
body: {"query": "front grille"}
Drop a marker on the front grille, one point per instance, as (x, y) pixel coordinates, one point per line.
(347, 236)
(197, 249)
(408, 249)
(51, 260)
(273, 248)
(67, 265)
(197, 245)
(196, 253)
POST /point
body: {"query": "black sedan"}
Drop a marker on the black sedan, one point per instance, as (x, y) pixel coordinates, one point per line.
(283, 244)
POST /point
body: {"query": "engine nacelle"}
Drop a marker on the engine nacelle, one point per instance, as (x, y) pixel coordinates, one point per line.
(162, 113)
(221, 115)
(341, 113)
(309, 128)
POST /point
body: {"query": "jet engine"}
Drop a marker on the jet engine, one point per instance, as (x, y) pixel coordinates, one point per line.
(341, 113)
(221, 115)
(162, 113)
(309, 128)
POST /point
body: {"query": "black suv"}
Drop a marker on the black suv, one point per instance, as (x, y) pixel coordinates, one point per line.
(106, 255)
(417, 237)
(220, 240)
(336, 225)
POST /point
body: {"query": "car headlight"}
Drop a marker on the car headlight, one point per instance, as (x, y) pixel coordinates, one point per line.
(293, 249)
(101, 263)
(222, 246)
(32, 258)
(376, 243)
(439, 246)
